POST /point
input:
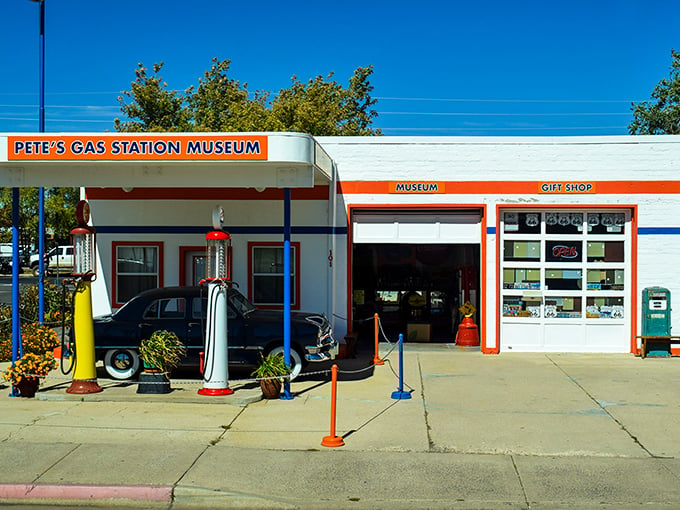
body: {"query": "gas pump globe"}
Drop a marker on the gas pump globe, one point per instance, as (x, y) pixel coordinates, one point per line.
(83, 239)
(217, 253)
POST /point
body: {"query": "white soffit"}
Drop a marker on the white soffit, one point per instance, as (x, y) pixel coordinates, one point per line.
(277, 160)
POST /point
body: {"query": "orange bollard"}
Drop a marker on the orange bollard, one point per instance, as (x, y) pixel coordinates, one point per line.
(376, 358)
(333, 440)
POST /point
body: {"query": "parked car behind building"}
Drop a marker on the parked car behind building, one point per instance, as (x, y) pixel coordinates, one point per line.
(5, 258)
(58, 259)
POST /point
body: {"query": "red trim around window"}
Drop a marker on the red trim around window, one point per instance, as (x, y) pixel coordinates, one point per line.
(114, 270)
(296, 304)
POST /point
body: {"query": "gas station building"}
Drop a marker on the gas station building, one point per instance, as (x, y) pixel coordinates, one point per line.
(551, 240)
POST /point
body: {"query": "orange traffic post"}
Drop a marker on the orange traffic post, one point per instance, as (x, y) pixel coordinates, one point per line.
(376, 323)
(333, 440)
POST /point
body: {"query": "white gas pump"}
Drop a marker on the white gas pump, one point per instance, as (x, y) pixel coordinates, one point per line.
(216, 357)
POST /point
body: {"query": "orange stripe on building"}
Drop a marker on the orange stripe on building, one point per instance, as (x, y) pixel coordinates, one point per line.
(521, 187)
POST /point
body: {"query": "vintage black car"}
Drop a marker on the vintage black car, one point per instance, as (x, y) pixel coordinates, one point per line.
(251, 331)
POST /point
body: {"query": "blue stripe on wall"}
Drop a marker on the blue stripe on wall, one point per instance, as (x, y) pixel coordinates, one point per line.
(656, 231)
(155, 229)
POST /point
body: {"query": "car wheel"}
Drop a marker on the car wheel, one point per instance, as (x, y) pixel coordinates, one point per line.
(121, 363)
(295, 360)
(36, 271)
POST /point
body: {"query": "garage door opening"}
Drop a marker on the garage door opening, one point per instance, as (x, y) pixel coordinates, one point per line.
(415, 268)
(415, 289)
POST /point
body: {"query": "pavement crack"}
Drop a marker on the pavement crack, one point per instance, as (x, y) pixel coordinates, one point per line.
(37, 478)
(225, 429)
(521, 484)
(432, 447)
(603, 406)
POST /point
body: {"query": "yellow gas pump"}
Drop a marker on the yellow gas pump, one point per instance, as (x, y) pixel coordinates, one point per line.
(84, 272)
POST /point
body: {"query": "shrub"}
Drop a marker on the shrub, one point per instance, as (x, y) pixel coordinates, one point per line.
(30, 365)
(53, 303)
(28, 311)
(38, 339)
(5, 333)
(35, 339)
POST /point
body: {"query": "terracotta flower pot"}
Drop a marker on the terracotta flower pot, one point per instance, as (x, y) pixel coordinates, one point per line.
(271, 388)
(28, 386)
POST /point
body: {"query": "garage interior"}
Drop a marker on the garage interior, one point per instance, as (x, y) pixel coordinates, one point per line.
(415, 288)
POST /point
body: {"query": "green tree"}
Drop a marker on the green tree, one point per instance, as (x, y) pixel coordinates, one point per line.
(60, 206)
(319, 107)
(323, 107)
(223, 104)
(154, 107)
(660, 115)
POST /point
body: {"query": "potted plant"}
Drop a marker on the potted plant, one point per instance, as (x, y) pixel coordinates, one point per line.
(26, 372)
(271, 371)
(160, 353)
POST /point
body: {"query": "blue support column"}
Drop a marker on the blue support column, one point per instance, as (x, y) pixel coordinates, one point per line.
(41, 191)
(17, 350)
(41, 255)
(286, 395)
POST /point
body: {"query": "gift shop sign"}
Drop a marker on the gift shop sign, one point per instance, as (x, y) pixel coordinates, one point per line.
(566, 187)
(164, 147)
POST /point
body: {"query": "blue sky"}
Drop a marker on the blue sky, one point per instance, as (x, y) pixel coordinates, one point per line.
(482, 68)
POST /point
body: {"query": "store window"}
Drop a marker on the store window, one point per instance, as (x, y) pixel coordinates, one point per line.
(564, 265)
(265, 267)
(136, 267)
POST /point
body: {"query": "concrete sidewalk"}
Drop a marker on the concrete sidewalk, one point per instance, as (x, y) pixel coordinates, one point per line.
(480, 431)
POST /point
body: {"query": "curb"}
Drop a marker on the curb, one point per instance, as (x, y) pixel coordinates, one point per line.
(19, 491)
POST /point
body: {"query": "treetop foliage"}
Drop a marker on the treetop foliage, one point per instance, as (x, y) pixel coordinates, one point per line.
(59, 214)
(660, 115)
(321, 106)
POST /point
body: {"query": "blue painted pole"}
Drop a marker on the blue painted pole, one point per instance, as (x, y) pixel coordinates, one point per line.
(17, 349)
(286, 395)
(41, 255)
(400, 394)
(41, 191)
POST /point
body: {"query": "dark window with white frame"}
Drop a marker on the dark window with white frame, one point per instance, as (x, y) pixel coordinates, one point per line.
(137, 267)
(266, 274)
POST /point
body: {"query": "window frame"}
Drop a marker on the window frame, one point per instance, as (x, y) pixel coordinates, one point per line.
(549, 262)
(115, 303)
(295, 253)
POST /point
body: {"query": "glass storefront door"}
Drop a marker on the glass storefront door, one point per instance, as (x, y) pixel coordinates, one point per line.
(565, 280)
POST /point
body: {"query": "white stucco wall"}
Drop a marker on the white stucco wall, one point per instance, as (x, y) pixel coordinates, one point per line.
(591, 159)
(451, 159)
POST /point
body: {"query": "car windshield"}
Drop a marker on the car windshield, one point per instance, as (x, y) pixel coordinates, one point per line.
(241, 303)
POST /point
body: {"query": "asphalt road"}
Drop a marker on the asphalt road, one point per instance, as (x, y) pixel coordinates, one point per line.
(24, 279)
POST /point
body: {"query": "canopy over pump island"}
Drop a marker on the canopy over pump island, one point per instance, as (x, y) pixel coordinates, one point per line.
(509, 244)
